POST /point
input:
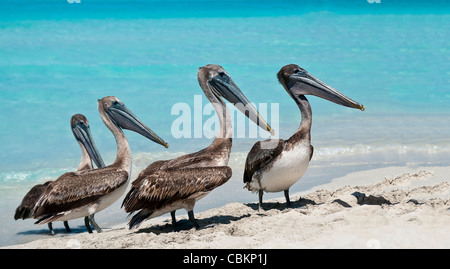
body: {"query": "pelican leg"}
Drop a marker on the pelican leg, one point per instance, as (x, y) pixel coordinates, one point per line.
(286, 195)
(50, 227)
(86, 223)
(174, 220)
(192, 219)
(96, 227)
(66, 224)
(260, 194)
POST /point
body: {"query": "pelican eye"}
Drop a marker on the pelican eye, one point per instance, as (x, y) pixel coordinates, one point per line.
(221, 73)
(115, 103)
(299, 71)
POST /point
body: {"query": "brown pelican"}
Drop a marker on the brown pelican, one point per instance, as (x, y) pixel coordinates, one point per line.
(83, 193)
(80, 129)
(165, 186)
(275, 165)
(82, 133)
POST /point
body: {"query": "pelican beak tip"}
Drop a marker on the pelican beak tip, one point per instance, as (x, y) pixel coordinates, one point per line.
(362, 108)
(272, 132)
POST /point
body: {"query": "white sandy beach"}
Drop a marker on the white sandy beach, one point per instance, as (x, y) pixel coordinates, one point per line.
(394, 207)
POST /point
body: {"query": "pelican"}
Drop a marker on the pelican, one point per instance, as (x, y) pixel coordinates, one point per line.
(83, 193)
(165, 186)
(81, 131)
(275, 165)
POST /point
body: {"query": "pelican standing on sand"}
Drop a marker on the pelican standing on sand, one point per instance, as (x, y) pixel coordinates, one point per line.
(83, 193)
(275, 165)
(165, 186)
(82, 133)
(89, 152)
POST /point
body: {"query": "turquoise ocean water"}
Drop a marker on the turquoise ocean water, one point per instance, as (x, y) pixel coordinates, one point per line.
(57, 58)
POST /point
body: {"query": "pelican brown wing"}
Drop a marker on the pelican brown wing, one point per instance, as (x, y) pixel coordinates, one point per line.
(218, 150)
(75, 189)
(261, 154)
(148, 170)
(25, 209)
(165, 187)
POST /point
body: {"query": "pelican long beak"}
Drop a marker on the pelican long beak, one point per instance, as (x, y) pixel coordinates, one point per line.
(224, 86)
(303, 83)
(125, 119)
(82, 133)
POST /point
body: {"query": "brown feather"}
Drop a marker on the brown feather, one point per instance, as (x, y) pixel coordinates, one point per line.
(148, 170)
(25, 209)
(190, 163)
(76, 189)
(219, 149)
(165, 187)
(261, 154)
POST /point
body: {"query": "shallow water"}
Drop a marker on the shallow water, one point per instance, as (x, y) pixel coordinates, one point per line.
(57, 59)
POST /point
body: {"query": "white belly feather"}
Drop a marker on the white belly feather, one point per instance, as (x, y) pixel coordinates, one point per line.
(287, 169)
(188, 206)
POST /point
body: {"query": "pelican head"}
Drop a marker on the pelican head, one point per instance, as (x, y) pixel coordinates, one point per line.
(297, 81)
(123, 118)
(221, 85)
(82, 133)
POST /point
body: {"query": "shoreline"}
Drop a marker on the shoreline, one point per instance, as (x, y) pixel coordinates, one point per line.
(392, 207)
